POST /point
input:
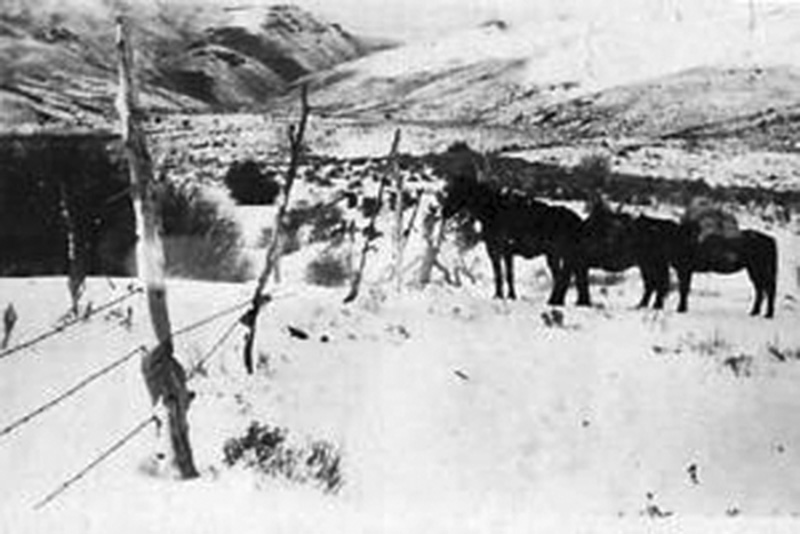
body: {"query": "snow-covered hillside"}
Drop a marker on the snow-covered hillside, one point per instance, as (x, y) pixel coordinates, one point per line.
(505, 72)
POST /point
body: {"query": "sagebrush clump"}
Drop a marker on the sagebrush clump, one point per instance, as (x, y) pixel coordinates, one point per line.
(266, 449)
(200, 242)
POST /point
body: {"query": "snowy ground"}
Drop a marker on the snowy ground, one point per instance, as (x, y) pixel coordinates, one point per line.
(453, 412)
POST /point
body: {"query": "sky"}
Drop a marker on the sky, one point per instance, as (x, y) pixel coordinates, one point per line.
(424, 19)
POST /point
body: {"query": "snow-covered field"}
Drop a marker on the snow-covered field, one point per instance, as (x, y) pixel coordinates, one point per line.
(453, 412)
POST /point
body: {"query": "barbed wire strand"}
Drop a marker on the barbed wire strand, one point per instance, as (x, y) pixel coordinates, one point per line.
(70, 392)
(210, 319)
(116, 363)
(62, 327)
(214, 348)
(94, 463)
(102, 372)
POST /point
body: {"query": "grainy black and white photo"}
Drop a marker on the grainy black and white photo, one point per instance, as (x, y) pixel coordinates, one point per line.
(399, 266)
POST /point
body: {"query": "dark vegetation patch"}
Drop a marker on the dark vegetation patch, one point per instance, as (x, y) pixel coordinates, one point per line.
(248, 185)
(557, 182)
(35, 170)
(199, 241)
(267, 451)
(328, 270)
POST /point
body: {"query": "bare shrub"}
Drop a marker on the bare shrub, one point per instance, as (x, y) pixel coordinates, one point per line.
(328, 270)
(199, 241)
(324, 222)
(266, 450)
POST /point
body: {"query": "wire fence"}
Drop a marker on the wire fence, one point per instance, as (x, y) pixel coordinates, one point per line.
(106, 370)
(200, 364)
(117, 445)
(61, 328)
(115, 364)
(58, 399)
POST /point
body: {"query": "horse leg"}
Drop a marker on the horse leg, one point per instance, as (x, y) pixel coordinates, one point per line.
(770, 288)
(661, 284)
(756, 279)
(684, 286)
(560, 275)
(771, 281)
(497, 270)
(554, 264)
(509, 261)
(649, 288)
(770, 291)
(561, 279)
(582, 283)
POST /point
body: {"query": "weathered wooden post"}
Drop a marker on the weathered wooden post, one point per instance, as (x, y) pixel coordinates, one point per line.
(9, 321)
(76, 271)
(249, 319)
(370, 232)
(433, 245)
(398, 215)
(164, 376)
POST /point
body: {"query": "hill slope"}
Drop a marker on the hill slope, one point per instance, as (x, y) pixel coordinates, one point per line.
(574, 76)
(58, 62)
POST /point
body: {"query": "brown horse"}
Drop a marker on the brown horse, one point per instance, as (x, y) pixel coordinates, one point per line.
(512, 223)
(751, 250)
(617, 241)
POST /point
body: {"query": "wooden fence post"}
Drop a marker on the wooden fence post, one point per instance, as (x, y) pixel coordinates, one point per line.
(164, 376)
(398, 216)
(249, 319)
(370, 232)
(76, 271)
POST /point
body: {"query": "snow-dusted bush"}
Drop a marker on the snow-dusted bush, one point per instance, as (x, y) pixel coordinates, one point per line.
(267, 450)
(305, 224)
(328, 270)
(200, 241)
(249, 186)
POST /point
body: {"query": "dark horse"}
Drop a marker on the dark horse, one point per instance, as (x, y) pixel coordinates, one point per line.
(751, 250)
(512, 223)
(617, 242)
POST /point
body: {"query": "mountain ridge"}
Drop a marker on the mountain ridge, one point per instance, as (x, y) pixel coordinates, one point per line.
(60, 66)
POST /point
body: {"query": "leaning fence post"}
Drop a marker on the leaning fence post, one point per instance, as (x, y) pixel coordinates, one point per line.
(164, 376)
(370, 232)
(249, 319)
